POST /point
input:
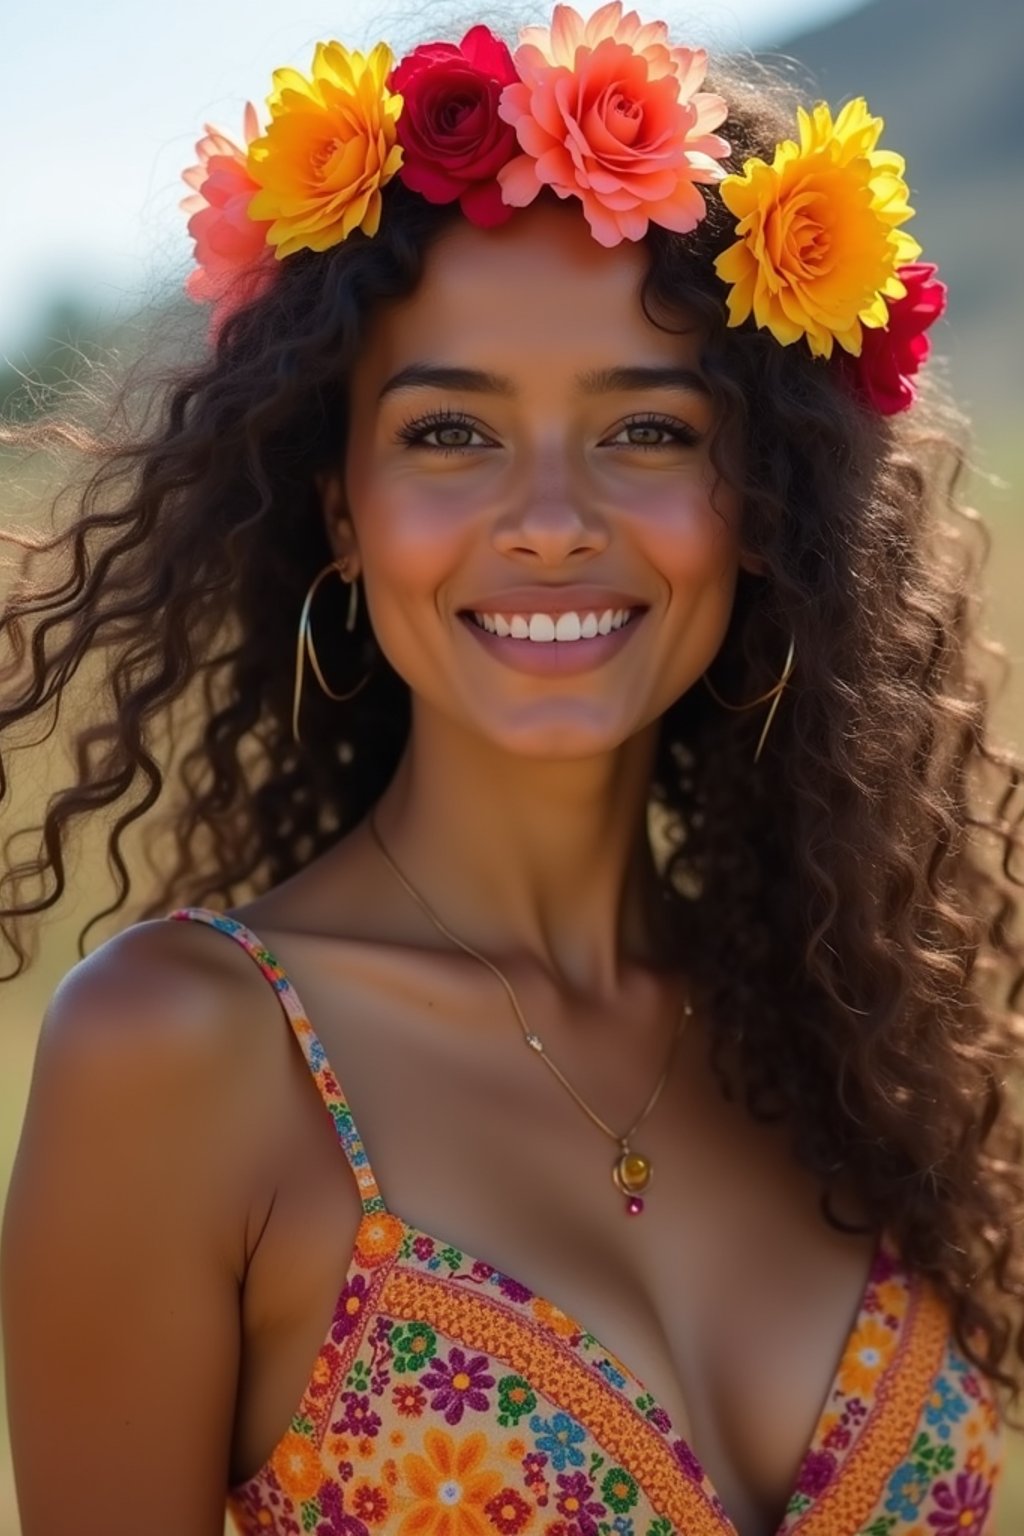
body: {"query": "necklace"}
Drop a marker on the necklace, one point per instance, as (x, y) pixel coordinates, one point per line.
(632, 1171)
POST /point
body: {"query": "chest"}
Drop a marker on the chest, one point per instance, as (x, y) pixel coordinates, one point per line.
(729, 1298)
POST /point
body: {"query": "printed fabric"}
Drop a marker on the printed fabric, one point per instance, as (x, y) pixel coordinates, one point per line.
(449, 1400)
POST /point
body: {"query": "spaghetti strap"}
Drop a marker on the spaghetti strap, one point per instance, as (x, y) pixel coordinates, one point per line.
(316, 1057)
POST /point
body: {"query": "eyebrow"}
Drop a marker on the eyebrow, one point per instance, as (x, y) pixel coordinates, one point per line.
(596, 381)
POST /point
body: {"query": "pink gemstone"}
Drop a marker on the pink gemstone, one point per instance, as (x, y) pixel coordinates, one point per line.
(634, 1205)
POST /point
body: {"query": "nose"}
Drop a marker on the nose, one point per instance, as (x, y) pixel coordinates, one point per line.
(552, 519)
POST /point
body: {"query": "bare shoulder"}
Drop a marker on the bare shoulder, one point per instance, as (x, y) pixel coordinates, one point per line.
(138, 1174)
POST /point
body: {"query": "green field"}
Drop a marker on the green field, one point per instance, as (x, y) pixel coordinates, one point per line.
(23, 1001)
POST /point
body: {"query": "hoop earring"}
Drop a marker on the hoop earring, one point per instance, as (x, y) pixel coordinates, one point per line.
(305, 643)
(775, 693)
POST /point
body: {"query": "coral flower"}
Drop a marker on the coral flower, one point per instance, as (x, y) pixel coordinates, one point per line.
(329, 149)
(607, 111)
(819, 245)
(450, 1485)
(233, 262)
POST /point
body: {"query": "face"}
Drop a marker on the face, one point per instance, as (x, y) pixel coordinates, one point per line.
(528, 494)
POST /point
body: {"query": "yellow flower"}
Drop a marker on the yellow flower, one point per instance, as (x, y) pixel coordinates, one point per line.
(329, 148)
(819, 244)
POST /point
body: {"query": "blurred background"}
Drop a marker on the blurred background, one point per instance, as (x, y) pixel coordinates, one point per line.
(101, 108)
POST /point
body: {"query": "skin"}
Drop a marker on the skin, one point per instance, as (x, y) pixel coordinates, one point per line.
(175, 1160)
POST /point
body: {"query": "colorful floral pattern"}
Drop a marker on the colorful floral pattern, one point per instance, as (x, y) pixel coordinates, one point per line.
(448, 1400)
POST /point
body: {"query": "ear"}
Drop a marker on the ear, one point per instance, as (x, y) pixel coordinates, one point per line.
(340, 530)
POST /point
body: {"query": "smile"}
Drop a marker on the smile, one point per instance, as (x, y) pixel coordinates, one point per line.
(554, 645)
(548, 628)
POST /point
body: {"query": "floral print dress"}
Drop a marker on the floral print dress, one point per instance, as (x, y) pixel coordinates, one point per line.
(449, 1400)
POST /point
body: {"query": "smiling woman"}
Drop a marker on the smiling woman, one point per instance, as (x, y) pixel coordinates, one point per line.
(558, 592)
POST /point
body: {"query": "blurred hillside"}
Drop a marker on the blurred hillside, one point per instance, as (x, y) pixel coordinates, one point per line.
(946, 78)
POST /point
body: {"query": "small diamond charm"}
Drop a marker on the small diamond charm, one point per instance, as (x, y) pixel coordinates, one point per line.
(535, 1042)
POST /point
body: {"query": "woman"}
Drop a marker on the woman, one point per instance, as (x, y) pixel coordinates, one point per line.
(684, 1195)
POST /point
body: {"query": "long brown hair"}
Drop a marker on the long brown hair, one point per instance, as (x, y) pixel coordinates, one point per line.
(848, 905)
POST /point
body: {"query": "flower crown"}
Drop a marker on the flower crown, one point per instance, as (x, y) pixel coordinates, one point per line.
(606, 110)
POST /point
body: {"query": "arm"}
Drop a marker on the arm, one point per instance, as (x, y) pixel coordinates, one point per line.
(123, 1248)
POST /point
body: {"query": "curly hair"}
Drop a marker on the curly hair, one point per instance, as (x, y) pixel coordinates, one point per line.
(848, 905)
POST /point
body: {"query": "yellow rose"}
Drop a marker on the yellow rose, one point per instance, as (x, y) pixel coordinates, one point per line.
(819, 243)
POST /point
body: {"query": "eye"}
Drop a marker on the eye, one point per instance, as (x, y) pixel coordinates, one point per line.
(657, 432)
(451, 430)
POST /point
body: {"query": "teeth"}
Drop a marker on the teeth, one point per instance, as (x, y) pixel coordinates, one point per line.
(543, 628)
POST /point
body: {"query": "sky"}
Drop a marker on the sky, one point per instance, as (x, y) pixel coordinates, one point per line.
(103, 102)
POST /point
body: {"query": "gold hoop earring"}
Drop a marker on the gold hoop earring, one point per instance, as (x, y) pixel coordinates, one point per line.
(305, 644)
(775, 693)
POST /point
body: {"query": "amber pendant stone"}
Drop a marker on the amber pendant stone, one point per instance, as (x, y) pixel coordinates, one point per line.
(631, 1174)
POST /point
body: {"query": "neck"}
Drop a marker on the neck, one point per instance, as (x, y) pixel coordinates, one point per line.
(529, 859)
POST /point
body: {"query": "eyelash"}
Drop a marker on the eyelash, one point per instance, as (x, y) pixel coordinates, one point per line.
(413, 433)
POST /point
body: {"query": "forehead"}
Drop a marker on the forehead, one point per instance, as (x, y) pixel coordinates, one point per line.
(538, 295)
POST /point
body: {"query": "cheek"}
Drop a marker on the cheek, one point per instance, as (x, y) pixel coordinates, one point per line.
(691, 534)
(412, 529)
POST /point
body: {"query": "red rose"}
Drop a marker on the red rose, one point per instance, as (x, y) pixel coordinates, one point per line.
(453, 141)
(889, 358)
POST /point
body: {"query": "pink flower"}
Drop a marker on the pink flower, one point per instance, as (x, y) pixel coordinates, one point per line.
(608, 111)
(452, 139)
(890, 357)
(234, 263)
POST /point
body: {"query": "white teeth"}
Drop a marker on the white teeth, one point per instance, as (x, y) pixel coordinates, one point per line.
(543, 628)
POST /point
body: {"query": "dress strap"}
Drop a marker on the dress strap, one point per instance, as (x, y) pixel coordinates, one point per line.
(316, 1057)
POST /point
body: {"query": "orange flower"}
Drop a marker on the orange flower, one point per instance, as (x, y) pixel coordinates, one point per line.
(607, 111)
(450, 1486)
(819, 247)
(892, 1296)
(297, 1466)
(871, 1345)
(330, 147)
(378, 1238)
(553, 1317)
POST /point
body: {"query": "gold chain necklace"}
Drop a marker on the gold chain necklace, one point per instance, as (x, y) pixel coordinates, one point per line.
(632, 1171)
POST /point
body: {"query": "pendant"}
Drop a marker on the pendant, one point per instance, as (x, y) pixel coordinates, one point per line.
(631, 1174)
